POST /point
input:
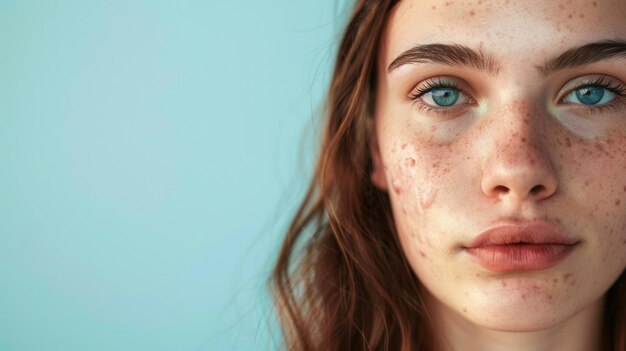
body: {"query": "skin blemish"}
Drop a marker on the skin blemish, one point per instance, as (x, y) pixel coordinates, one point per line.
(599, 147)
(566, 276)
(472, 13)
(397, 188)
(504, 283)
(618, 202)
(409, 162)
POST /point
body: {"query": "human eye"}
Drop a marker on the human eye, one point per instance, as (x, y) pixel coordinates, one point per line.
(440, 95)
(595, 94)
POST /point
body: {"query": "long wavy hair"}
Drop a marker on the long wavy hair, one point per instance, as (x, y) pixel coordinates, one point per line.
(341, 281)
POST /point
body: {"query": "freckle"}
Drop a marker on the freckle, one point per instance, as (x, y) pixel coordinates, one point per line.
(555, 280)
(569, 16)
(625, 189)
(524, 296)
(595, 4)
(549, 297)
(472, 13)
(568, 142)
(465, 309)
(581, 15)
(434, 7)
(566, 276)
(617, 202)
(504, 283)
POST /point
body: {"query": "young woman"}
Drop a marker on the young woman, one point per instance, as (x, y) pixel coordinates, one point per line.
(470, 192)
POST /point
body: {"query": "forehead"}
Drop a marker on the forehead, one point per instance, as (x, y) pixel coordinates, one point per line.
(524, 29)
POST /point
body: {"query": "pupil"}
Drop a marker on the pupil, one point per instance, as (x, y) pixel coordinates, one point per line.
(590, 95)
(445, 96)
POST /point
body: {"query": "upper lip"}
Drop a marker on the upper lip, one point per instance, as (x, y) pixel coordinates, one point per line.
(537, 233)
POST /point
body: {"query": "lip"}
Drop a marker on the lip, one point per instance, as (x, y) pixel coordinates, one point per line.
(521, 247)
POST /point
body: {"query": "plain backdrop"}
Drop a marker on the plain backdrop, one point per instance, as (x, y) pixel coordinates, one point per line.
(151, 153)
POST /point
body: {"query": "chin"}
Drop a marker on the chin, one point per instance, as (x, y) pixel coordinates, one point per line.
(520, 311)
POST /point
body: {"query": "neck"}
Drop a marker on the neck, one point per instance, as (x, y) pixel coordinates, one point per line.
(581, 332)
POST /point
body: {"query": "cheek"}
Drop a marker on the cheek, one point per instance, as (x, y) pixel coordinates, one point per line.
(593, 180)
(417, 172)
(421, 180)
(595, 173)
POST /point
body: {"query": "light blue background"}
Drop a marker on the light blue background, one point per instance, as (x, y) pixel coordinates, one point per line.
(151, 153)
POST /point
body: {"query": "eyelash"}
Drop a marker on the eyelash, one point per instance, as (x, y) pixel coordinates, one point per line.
(603, 82)
(426, 87)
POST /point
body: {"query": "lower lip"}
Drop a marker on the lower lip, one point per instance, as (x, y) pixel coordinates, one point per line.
(520, 257)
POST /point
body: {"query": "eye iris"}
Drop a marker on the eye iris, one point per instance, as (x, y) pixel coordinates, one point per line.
(445, 96)
(590, 95)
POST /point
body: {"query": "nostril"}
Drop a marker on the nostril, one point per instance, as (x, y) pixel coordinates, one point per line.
(501, 189)
(537, 189)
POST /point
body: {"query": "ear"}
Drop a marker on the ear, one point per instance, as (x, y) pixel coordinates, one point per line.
(378, 169)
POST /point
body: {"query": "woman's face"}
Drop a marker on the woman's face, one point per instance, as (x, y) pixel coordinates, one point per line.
(501, 139)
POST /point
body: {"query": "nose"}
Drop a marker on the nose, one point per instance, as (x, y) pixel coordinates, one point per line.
(517, 165)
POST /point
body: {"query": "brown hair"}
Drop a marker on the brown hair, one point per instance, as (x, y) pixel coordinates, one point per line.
(341, 281)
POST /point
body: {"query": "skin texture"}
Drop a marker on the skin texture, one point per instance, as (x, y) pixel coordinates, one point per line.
(513, 152)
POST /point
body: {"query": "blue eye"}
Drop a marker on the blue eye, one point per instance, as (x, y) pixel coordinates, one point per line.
(440, 95)
(590, 95)
(444, 97)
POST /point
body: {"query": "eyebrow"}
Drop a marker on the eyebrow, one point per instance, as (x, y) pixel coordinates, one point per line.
(606, 50)
(459, 55)
(452, 55)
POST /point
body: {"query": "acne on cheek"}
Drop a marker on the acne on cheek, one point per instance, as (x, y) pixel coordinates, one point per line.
(416, 175)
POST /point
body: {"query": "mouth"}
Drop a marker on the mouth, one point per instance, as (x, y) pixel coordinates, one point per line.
(521, 247)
